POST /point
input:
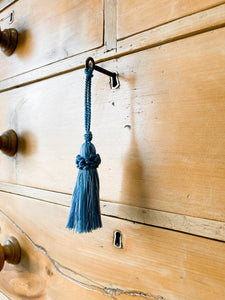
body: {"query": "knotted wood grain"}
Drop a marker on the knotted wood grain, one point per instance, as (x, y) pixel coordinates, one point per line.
(153, 263)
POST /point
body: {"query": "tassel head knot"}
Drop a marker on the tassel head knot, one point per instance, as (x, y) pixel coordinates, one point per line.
(86, 163)
(88, 159)
(88, 136)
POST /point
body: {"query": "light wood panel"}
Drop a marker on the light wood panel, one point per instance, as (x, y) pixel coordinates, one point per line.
(139, 15)
(53, 32)
(38, 276)
(154, 263)
(190, 25)
(110, 24)
(160, 135)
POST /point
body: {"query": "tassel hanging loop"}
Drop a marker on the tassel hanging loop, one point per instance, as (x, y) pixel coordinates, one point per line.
(87, 103)
(85, 208)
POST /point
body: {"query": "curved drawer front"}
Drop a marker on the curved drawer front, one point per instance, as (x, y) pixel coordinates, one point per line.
(154, 263)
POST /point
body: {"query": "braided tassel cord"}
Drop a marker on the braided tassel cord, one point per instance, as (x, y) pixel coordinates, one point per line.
(85, 213)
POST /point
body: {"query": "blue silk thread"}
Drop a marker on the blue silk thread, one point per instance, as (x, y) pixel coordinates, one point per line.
(85, 209)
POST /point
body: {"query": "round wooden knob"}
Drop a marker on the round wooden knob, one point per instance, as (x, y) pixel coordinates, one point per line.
(9, 142)
(10, 252)
(8, 40)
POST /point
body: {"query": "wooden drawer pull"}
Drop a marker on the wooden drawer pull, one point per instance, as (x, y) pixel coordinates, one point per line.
(9, 142)
(8, 40)
(10, 252)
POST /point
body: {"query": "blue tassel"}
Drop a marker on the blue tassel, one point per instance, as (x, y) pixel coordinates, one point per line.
(85, 213)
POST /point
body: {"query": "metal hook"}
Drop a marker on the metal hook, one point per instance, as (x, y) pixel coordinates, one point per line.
(114, 80)
(89, 63)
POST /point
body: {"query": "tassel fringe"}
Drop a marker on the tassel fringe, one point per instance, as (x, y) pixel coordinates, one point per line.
(85, 209)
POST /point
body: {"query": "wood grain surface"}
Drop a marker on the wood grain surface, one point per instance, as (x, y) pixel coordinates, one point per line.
(38, 276)
(110, 25)
(154, 263)
(199, 22)
(139, 15)
(160, 135)
(193, 225)
(50, 33)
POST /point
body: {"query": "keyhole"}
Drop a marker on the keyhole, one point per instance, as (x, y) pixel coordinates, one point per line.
(117, 240)
(11, 17)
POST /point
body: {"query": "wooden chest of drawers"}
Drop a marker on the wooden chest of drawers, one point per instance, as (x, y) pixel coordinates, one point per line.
(160, 136)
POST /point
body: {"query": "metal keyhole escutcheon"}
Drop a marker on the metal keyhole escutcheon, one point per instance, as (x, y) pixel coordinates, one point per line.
(117, 239)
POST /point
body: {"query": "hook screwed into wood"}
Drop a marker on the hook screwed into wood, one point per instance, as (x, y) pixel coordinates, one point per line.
(114, 80)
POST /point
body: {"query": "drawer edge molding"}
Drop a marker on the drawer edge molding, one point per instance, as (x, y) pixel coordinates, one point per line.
(212, 229)
(6, 3)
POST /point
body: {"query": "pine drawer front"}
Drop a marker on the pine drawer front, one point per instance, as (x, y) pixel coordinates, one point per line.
(153, 263)
(143, 15)
(160, 136)
(51, 31)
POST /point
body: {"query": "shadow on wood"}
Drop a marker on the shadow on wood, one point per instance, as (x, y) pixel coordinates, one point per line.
(133, 188)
